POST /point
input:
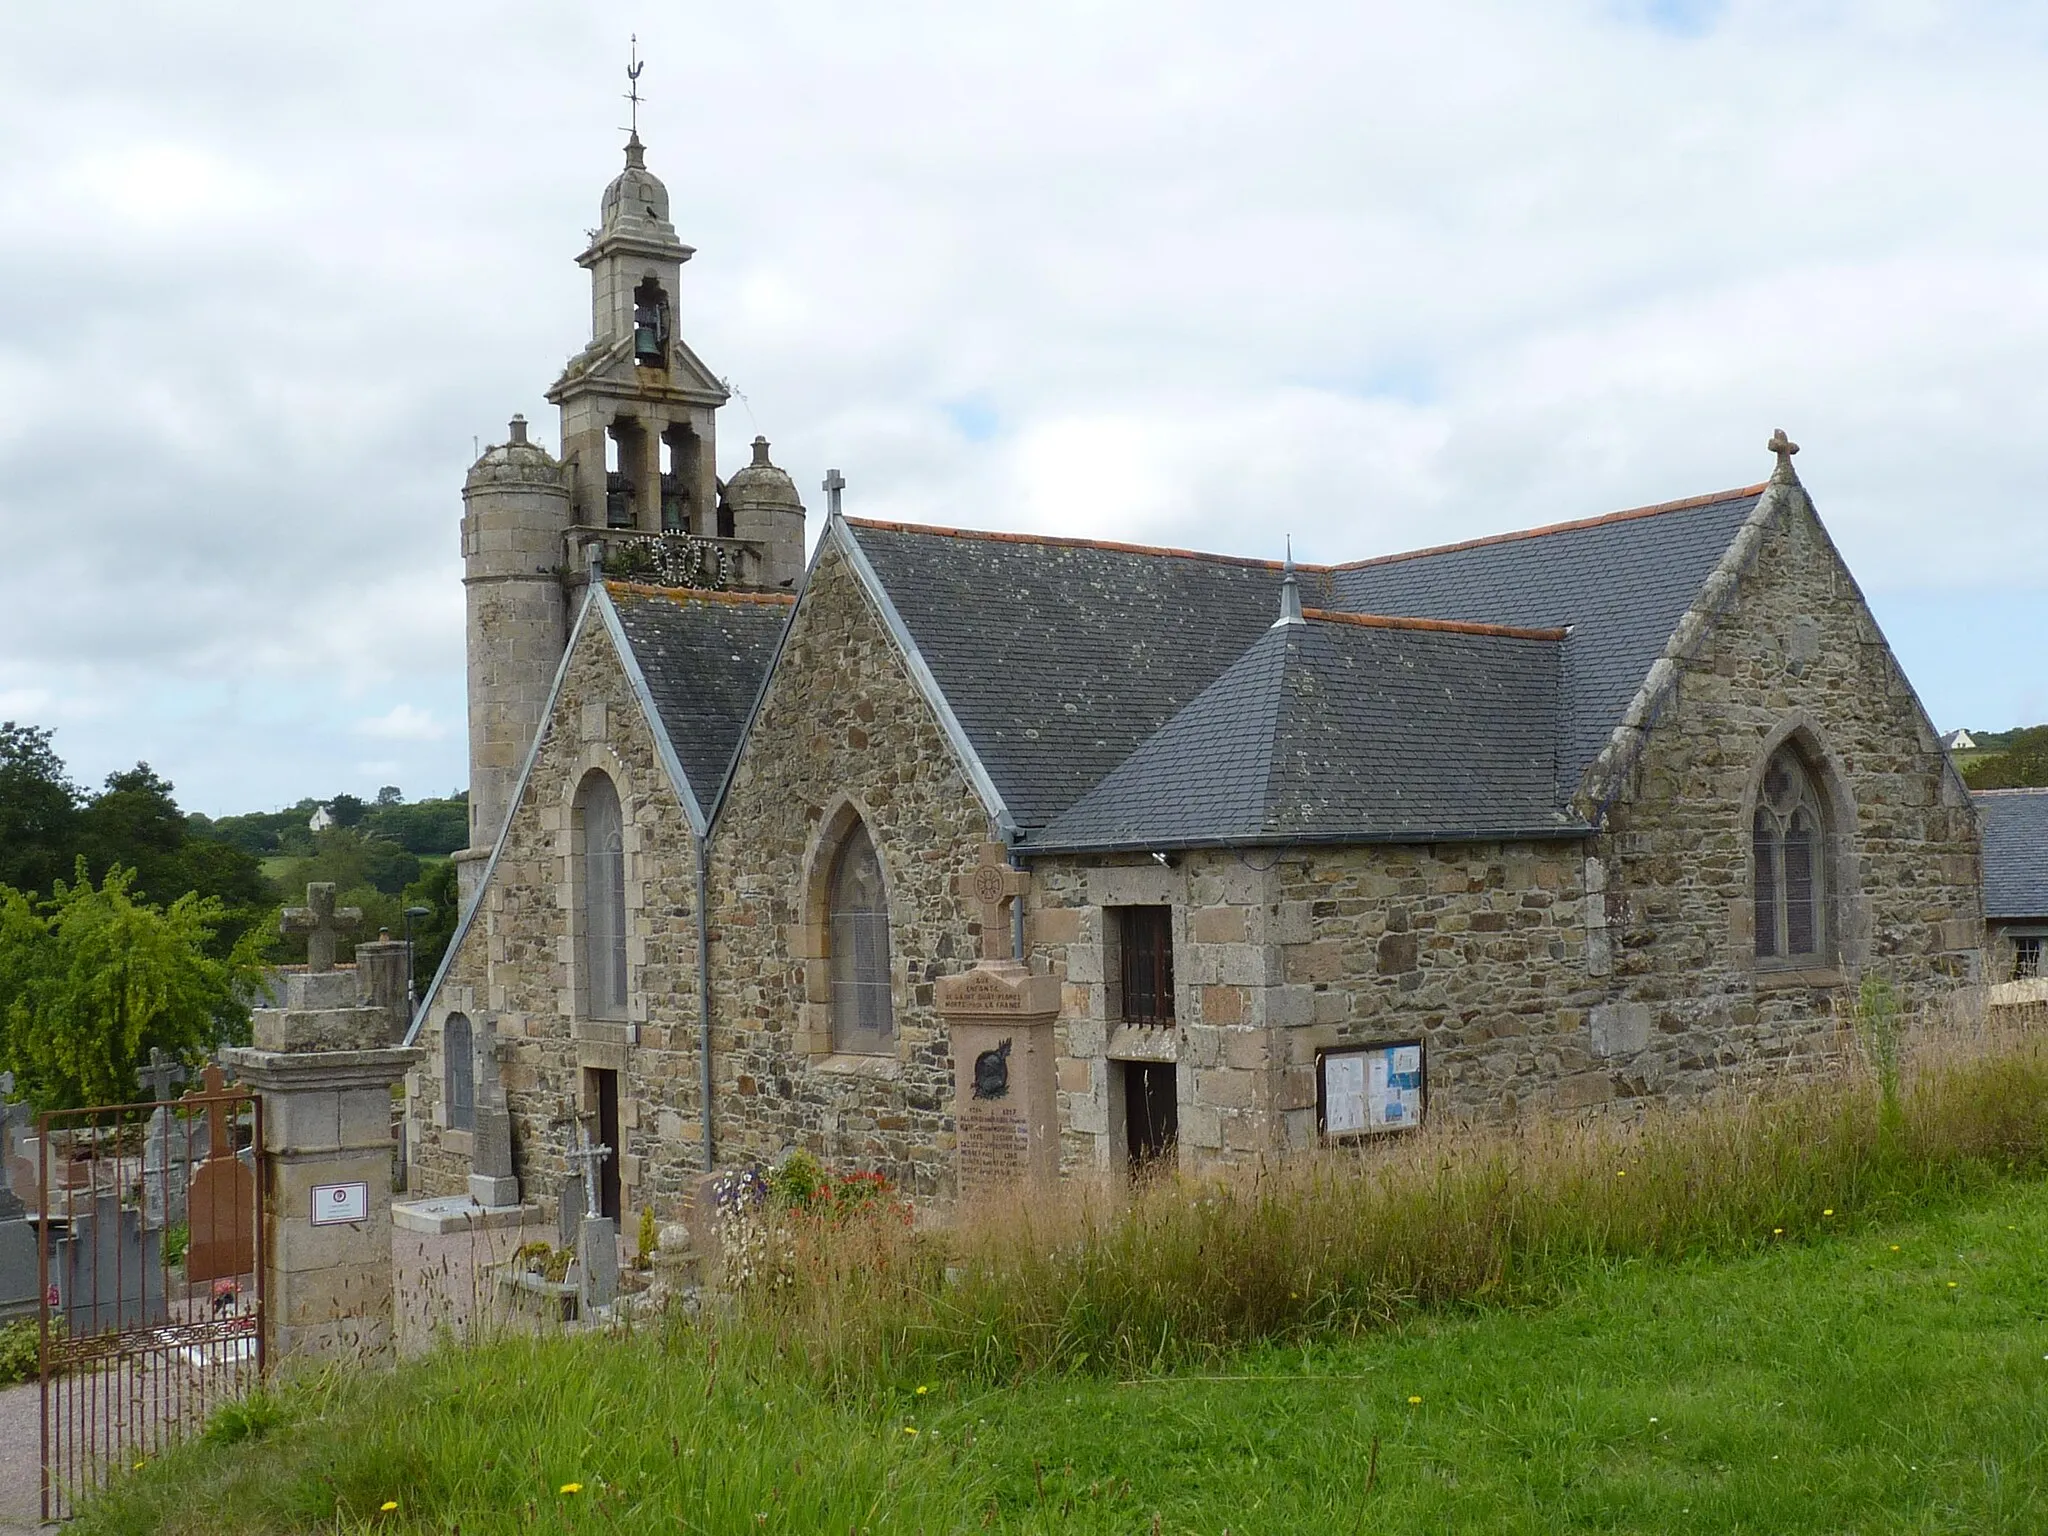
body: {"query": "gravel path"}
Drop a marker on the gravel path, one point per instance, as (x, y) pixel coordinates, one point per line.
(21, 1459)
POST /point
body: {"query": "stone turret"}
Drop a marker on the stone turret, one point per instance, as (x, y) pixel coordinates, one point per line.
(767, 511)
(515, 515)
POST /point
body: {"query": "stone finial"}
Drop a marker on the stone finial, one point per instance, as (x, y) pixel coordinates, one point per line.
(518, 430)
(1290, 593)
(322, 923)
(1784, 448)
(761, 450)
(835, 482)
(991, 885)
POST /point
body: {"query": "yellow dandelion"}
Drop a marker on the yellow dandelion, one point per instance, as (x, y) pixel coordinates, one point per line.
(922, 1390)
(387, 1506)
(1829, 1211)
(1777, 1231)
(1414, 1399)
(910, 1429)
(1895, 1247)
(1621, 1173)
(1951, 1285)
(572, 1487)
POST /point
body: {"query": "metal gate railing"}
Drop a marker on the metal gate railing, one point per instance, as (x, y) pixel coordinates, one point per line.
(150, 1261)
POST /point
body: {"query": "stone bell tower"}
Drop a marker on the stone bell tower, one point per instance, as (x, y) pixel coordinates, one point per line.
(636, 487)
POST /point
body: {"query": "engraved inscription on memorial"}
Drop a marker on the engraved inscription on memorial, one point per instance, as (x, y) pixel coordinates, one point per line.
(995, 1145)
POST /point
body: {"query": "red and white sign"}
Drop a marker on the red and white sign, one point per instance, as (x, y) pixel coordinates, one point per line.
(336, 1205)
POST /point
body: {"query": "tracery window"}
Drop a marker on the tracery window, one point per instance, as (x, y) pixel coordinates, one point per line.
(863, 1012)
(603, 898)
(458, 1067)
(1789, 851)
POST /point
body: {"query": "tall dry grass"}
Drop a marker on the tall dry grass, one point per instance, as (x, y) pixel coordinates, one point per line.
(1099, 1276)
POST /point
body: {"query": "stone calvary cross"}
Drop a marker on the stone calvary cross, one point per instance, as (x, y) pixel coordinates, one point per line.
(992, 885)
(321, 923)
(591, 1154)
(163, 1075)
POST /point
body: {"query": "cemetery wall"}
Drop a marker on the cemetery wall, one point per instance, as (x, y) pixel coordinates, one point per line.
(842, 732)
(519, 961)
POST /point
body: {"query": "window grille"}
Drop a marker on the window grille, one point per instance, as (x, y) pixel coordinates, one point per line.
(1145, 937)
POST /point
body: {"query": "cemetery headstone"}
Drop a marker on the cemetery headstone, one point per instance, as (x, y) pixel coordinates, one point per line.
(166, 1147)
(17, 1187)
(111, 1269)
(1000, 1021)
(492, 1183)
(221, 1206)
(597, 1242)
(18, 1296)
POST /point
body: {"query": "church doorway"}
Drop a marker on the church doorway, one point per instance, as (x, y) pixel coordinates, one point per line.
(1151, 1113)
(604, 1093)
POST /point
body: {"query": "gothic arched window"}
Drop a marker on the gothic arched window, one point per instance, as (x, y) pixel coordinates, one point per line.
(603, 898)
(458, 1070)
(1789, 851)
(863, 1015)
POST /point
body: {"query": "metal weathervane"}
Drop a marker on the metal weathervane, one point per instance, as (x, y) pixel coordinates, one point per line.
(634, 64)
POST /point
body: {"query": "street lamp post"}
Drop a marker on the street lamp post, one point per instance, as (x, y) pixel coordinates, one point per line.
(411, 990)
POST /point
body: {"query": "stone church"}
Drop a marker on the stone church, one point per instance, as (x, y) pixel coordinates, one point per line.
(1551, 820)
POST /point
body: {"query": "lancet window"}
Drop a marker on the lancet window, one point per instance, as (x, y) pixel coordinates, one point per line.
(1789, 852)
(603, 900)
(863, 1011)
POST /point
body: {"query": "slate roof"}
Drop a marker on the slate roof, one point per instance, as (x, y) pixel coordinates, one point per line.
(704, 656)
(1060, 657)
(1621, 583)
(2015, 825)
(1338, 730)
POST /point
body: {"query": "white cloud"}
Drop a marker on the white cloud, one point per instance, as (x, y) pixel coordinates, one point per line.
(1375, 275)
(402, 722)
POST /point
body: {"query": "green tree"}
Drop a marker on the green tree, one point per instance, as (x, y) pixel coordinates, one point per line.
(135, 824)
(2022, 765)
(38, 810)
(426, 827)
(91, 979)
(346, 810)
(436, 890)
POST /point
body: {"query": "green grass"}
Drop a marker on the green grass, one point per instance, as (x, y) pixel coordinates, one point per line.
(1823, 1383)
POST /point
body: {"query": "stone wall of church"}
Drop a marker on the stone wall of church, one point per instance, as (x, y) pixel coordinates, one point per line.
(842, 731)
(1675, 946)
(1478, 950)
(519, 959)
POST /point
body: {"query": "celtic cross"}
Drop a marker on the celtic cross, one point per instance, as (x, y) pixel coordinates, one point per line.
(991, 885)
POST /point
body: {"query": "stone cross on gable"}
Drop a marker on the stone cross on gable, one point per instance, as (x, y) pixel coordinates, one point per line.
(220, 1118)
(321, 923)
(835, 482)
(991, 885)
(591, 1154)
(163, 1074)
(1784, 448)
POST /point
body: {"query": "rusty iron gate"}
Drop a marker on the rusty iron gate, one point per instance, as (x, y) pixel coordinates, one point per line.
(150, 1261)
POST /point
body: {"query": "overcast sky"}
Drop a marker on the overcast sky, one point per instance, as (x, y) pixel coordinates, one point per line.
(1186, 272)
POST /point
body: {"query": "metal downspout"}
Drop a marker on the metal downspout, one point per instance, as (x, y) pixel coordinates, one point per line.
(704, 990)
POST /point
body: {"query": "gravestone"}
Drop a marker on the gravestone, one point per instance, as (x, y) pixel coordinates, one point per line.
(221, 1205)
(492, 1183)
(19, 1181)
(1000, 1021)
(569, 1214)
(18, 1295)
(166, 1147)
(597, 1239)
(109, 1270)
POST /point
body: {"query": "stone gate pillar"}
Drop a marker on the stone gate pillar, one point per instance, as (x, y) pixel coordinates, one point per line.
(325, 1070)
